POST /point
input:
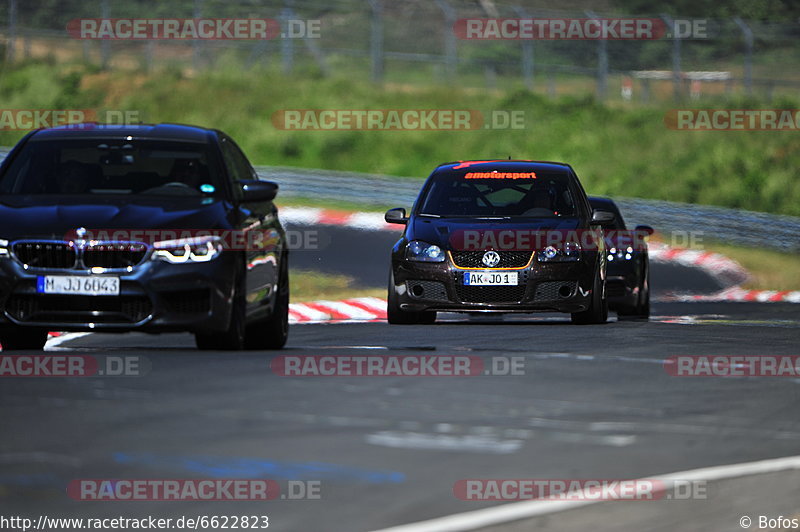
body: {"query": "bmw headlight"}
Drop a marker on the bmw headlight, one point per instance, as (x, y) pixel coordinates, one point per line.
(571, 252)
(188, 250)
(424, 252)
(4, 249)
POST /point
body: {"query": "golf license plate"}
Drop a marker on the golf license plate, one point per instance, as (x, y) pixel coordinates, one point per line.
(79, 285)
(490, 278)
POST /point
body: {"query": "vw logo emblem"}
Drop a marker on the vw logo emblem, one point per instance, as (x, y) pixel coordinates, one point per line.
(80, 232)
(491, 259)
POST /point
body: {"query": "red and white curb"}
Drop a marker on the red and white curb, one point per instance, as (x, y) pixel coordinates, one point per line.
(357, 309)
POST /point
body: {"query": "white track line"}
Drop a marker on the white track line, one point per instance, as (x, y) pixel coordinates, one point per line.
(526, 509)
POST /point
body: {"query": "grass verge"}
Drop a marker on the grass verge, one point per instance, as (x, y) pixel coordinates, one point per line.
(310, 285)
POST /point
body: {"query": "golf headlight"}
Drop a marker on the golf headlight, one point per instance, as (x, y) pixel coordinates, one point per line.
(200, 249)
(424, 252)
(4, 249)
(571, 252)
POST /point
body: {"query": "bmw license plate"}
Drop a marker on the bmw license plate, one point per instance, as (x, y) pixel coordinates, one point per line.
(79, 285)
(490, 278)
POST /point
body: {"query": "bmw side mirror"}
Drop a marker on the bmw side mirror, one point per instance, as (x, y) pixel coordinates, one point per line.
(645, 230)
(396, 216)
(254, 190)
(600, 217)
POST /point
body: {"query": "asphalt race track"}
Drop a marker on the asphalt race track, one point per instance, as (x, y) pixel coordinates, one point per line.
(592, 402)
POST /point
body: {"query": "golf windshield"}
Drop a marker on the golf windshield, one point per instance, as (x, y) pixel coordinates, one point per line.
(499, 193)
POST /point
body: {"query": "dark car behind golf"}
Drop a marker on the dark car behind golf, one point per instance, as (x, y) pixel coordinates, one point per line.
(434, 270)
(129, 228)
(628, 281)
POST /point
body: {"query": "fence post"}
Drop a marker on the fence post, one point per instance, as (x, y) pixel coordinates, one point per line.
(527, 53)
(287, 46)
(12, 30)
(748, 58)
(105, 44)
(602, 63)
(376, 40)
(646, 90)
(450, 47)
(676, 58)
(196, 44)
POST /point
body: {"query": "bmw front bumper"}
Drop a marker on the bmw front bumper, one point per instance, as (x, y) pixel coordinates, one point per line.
(155, 296)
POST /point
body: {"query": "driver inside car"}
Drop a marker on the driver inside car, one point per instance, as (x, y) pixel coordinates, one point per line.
(73, 178)
(187, 172)
(537, 203)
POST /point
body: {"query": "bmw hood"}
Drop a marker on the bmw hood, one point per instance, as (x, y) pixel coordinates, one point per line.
(53, 218)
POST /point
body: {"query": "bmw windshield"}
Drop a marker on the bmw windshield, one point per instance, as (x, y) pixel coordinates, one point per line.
(109, 166)
(499, 192)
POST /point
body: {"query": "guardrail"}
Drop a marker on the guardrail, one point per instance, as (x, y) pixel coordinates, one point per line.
(718, 223)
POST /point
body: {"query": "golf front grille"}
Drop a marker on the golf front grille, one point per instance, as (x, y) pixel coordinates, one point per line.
(490, 294)
(508, 259)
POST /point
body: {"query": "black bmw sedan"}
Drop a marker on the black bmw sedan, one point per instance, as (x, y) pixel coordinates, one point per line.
(150, 228)
(499, 236)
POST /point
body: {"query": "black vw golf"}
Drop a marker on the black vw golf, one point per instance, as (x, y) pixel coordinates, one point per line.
(499, 236)
(149, 228)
